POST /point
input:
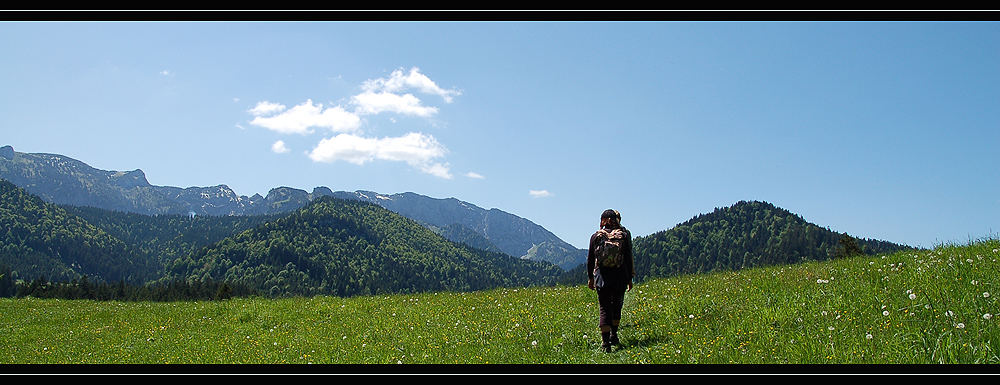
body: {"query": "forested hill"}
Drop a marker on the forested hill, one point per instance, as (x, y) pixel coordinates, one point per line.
(40, 239)
(66, 181)
(744, 235)
(346, 247)
(165, 238)
(747, 234)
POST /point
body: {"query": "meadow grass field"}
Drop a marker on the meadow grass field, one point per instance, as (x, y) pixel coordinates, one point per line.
(917, 307)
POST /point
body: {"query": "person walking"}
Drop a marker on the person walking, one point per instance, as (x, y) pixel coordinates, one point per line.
(610, 270)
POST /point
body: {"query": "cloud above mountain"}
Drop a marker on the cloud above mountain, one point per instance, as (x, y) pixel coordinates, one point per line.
(386, 95)
(419, 150)
(414, 80)
(303, 117)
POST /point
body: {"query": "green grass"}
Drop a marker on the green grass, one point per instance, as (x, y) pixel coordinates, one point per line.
(857, 310)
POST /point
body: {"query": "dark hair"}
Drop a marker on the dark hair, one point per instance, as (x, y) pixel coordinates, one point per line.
(609, 213)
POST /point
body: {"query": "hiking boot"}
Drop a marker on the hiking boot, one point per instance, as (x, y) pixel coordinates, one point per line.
(606, 342)
(614, 340)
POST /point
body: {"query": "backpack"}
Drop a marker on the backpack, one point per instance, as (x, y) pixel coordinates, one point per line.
(609, 247)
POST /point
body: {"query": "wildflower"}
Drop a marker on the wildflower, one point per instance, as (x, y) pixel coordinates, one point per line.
(986, 294)
(868, 336)
(691, 316)
(885, 312)
(534, 343)
(913, 296)
(987, 316)
(949, 313)
(960, 326)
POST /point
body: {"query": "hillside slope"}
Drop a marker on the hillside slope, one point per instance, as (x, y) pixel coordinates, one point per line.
(347, 247)
(744, 235)
(914, 307)
(41, 239)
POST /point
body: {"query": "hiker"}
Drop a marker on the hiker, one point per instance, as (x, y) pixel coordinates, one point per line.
(610, 271)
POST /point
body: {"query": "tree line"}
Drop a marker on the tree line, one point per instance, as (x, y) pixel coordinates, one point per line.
(87, 289)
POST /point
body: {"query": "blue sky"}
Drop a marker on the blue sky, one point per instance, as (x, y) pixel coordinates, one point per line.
(882, 130)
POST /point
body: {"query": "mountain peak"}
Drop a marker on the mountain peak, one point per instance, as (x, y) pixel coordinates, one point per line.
(128, 179)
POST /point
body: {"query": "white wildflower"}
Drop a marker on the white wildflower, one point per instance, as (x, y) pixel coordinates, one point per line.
(987, 316)
(913, 296)
(986, 294)
(885, 312)
(960, 326)
(868, 336)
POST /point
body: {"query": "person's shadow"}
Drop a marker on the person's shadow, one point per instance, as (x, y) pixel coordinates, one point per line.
(628, 338)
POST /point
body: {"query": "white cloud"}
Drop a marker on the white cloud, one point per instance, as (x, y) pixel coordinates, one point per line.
(397, 82)
(165, 72)
(301, 118)
(416, 149)
(369, 102)
(266, 108)
(279, 147)
(539, 193)
(474, 175)
(390, 94)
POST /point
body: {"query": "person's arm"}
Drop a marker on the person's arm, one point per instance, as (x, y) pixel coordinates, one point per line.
(629, 261)
(590, 263)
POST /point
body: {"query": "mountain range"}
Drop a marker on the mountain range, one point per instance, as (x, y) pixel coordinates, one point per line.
(66, 181)
(344, 243)
(330, 246)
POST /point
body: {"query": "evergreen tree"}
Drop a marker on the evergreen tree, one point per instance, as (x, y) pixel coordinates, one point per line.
(7, 286)
(847, 247)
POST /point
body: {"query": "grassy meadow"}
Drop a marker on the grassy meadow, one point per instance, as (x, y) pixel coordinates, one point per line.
(917, 307)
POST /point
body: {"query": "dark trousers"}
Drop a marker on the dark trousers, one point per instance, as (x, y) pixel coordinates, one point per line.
(610, 299)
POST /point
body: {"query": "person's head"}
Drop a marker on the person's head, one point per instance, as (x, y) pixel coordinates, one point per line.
(611, 218)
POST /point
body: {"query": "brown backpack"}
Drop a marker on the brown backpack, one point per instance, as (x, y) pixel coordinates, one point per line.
(609, 247)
